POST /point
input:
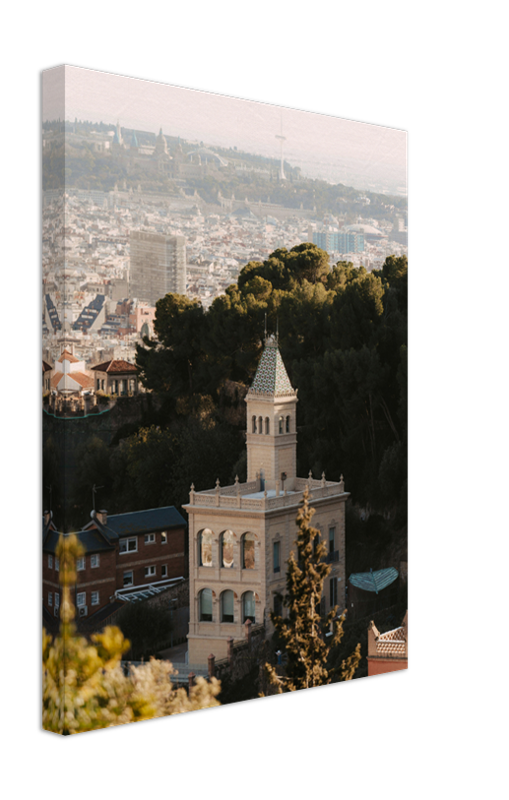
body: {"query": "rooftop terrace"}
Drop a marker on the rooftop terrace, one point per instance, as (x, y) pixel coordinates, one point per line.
(251, 496)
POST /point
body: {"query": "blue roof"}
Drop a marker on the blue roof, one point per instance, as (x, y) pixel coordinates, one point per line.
(153, 519)
(374, 581)
(91, 540)
(97, 537)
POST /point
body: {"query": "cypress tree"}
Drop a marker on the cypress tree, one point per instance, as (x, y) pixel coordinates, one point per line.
(303, 630)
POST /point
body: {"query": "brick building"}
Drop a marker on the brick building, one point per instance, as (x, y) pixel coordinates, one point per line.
(123, 553)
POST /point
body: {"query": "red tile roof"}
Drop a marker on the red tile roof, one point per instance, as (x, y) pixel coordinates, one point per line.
(67, 356)
(116, 366)
(83, 380)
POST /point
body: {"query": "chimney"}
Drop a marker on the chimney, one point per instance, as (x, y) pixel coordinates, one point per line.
(102, 516)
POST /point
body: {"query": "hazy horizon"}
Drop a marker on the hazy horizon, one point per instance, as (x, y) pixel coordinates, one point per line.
(358, 154)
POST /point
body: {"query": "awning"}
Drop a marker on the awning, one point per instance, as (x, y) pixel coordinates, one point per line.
(374, 581)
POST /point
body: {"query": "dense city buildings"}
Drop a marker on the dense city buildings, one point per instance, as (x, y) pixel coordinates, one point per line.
(109, 253)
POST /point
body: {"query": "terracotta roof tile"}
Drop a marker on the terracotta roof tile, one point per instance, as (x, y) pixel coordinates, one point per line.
(67, 356)
(116, 366)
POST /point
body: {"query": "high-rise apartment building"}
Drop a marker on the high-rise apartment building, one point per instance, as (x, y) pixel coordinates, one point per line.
(338, 241)
(158, 265)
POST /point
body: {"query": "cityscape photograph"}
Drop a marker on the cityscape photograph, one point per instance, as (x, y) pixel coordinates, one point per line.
(224, 391)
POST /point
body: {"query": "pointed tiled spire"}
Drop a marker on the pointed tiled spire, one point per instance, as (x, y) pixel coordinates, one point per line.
(271, 376)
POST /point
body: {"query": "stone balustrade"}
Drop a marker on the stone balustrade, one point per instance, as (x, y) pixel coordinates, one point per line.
(235, 496)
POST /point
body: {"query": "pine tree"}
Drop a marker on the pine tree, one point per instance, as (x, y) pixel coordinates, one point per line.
(84, 686)
(303, 630)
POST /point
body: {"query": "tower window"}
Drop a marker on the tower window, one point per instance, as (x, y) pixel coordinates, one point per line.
(267, 425)
(248, 551)
(205, 548)
(226, 543)
(227, 606)
(260, 424)
(206, 605)
(275, 553)
(288, 424)
(248, 607)
(254, 424)
(281, 424)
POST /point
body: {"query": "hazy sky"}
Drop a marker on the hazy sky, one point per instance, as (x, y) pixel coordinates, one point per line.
(355, 153)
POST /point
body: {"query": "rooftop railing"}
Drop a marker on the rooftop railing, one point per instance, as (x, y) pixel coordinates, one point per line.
(237, 495)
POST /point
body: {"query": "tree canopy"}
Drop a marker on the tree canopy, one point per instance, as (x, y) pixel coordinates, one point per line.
(343, 338)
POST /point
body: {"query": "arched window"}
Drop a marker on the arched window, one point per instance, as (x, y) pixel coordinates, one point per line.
(260, 424)
(248, 607)
(281, 424)
(267, 425)
(227, 606)
(205, 547)
(254, 424)
(226, 552)
(206, 605)
(248, 551)
(288, 424)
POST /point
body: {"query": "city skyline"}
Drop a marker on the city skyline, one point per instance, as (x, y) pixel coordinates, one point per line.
(360, 154)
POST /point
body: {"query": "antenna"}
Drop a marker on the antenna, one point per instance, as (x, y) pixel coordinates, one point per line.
(95, 489)
(280, 136)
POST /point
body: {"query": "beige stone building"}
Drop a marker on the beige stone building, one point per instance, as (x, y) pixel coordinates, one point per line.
(241, 536)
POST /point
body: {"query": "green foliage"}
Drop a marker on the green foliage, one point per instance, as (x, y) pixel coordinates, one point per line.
(342, 334)
(92, 467)
(84, 686)
(302, 631)
(146, 626)
(156, 467)
(51, 474)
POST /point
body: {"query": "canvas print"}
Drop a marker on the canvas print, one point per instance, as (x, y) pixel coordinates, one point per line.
(224, 332)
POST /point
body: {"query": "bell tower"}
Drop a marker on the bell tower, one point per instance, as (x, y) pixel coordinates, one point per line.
(271, 421)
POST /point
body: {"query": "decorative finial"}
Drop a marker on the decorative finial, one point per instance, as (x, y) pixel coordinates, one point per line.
(310, 476)
(217, 483)
(192, 487)
(236, 479)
